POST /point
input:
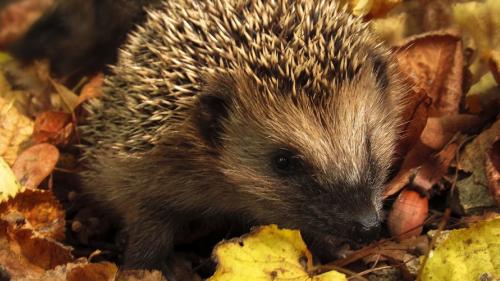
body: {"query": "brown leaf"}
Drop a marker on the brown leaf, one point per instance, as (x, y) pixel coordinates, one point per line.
(35, 164)
(433, 170)
(93, 272)
(92, 89)
(437, 133)
(440, 130)
(434, 63)
(472, 155)
(492, 167)
(16, 265)
(53, 127)
(37, 210)
(68, 97)
(408, 214)
(33, 221)
(472, 193)
(399, 250)
(415, 115)
(415, 157)
(40, 251)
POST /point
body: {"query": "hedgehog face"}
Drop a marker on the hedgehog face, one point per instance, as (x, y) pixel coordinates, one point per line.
(314, 164)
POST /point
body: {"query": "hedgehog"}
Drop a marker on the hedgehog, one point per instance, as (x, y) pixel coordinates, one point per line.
(271, 112)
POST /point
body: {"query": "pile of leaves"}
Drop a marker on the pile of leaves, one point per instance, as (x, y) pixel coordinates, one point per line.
(443, 197)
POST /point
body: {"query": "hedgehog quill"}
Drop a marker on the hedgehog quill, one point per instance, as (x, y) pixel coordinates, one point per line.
(279, 112)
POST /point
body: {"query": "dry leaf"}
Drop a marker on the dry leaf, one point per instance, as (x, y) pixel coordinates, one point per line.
(16, 130)
(33, 222)
(12, 262)
(480, 21)
(372, 8)
(434, 62)
(440, 130)
(472, 192)
(53, 127)
(92, 89)
(69, 99)
(9, 186)
(492, 167)
(414, 118)
(437, 133)
(435, 168)
(35, 164)
(407, 216)
(37, 210)
(102, 271)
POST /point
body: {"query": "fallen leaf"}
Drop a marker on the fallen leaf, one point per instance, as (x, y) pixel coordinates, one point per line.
(9, 186)
(268, 253)
(34, 221)
(479, 20)
(407, 216)
(483, 95)
(492, 167)
(69, 99)
(93, 272)
(440, 130)
(435, 168)
(472, 193)
(16, 130)
(36, 210)
(35, 164)
(92, 89)
(372, 8)
(391, 29)
(466, 254)
(43, 252)
(433, 62)
(414, 118)
(401, 251)
(16, 266)
(53, 127)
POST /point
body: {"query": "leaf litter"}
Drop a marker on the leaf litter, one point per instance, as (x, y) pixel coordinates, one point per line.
(447, 159)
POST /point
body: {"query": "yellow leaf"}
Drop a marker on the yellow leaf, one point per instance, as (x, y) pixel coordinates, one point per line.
(15, 128)
(466, 254)
(374, 8)
(481, 22)
(9, 186)
(4, 57)
(269, 253)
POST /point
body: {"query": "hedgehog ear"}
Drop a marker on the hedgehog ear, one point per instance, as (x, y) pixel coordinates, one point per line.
(213, 107)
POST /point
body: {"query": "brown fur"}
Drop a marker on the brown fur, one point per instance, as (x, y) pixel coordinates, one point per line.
(164, 150)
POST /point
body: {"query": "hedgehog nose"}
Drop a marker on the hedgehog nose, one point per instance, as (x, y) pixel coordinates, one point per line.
(366, 229)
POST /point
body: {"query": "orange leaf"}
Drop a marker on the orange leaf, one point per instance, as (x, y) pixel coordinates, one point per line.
(35, 164)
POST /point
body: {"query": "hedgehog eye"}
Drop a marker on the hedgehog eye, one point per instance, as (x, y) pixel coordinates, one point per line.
(284, 162)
